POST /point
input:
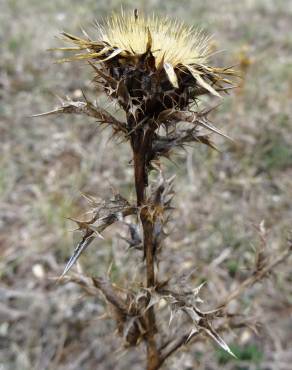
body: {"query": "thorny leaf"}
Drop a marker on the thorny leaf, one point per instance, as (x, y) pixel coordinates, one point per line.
(104, 214)
(207, 328)
(135, 240)
(210, 127)
(163, 146)
(179, 302)
(88, 108)
(149, 297)
(201, 322)
(196, 118)
(81, 246)
(180, 289)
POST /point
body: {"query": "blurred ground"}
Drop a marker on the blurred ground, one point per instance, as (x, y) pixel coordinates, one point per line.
(46, 163)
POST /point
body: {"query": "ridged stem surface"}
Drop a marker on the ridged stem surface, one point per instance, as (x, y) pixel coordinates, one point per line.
(140, 142)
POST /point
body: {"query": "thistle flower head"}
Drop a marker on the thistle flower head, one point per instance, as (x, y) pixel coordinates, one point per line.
(149, 62)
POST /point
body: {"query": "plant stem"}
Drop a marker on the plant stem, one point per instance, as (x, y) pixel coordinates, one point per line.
(140, 143)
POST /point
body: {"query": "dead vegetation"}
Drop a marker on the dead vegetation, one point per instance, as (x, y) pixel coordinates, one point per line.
(204, 238)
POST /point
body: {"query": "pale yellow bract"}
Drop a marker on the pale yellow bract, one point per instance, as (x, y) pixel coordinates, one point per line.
(177, 43)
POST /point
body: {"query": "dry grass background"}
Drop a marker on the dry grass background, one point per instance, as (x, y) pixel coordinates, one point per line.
(46, 163)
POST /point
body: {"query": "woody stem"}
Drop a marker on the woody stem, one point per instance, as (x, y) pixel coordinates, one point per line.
(140, 142)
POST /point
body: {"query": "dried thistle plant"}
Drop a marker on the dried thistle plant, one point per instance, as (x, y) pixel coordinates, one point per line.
(155, 69)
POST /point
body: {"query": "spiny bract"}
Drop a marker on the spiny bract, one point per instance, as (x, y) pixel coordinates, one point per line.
(149, 63)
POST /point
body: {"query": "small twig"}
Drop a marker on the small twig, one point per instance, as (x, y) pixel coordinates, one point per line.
(258, 275)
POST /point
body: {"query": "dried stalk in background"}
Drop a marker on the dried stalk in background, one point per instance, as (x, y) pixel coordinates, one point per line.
(155, 69)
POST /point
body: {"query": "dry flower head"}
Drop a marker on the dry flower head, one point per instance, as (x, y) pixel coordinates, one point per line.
(154, 63)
